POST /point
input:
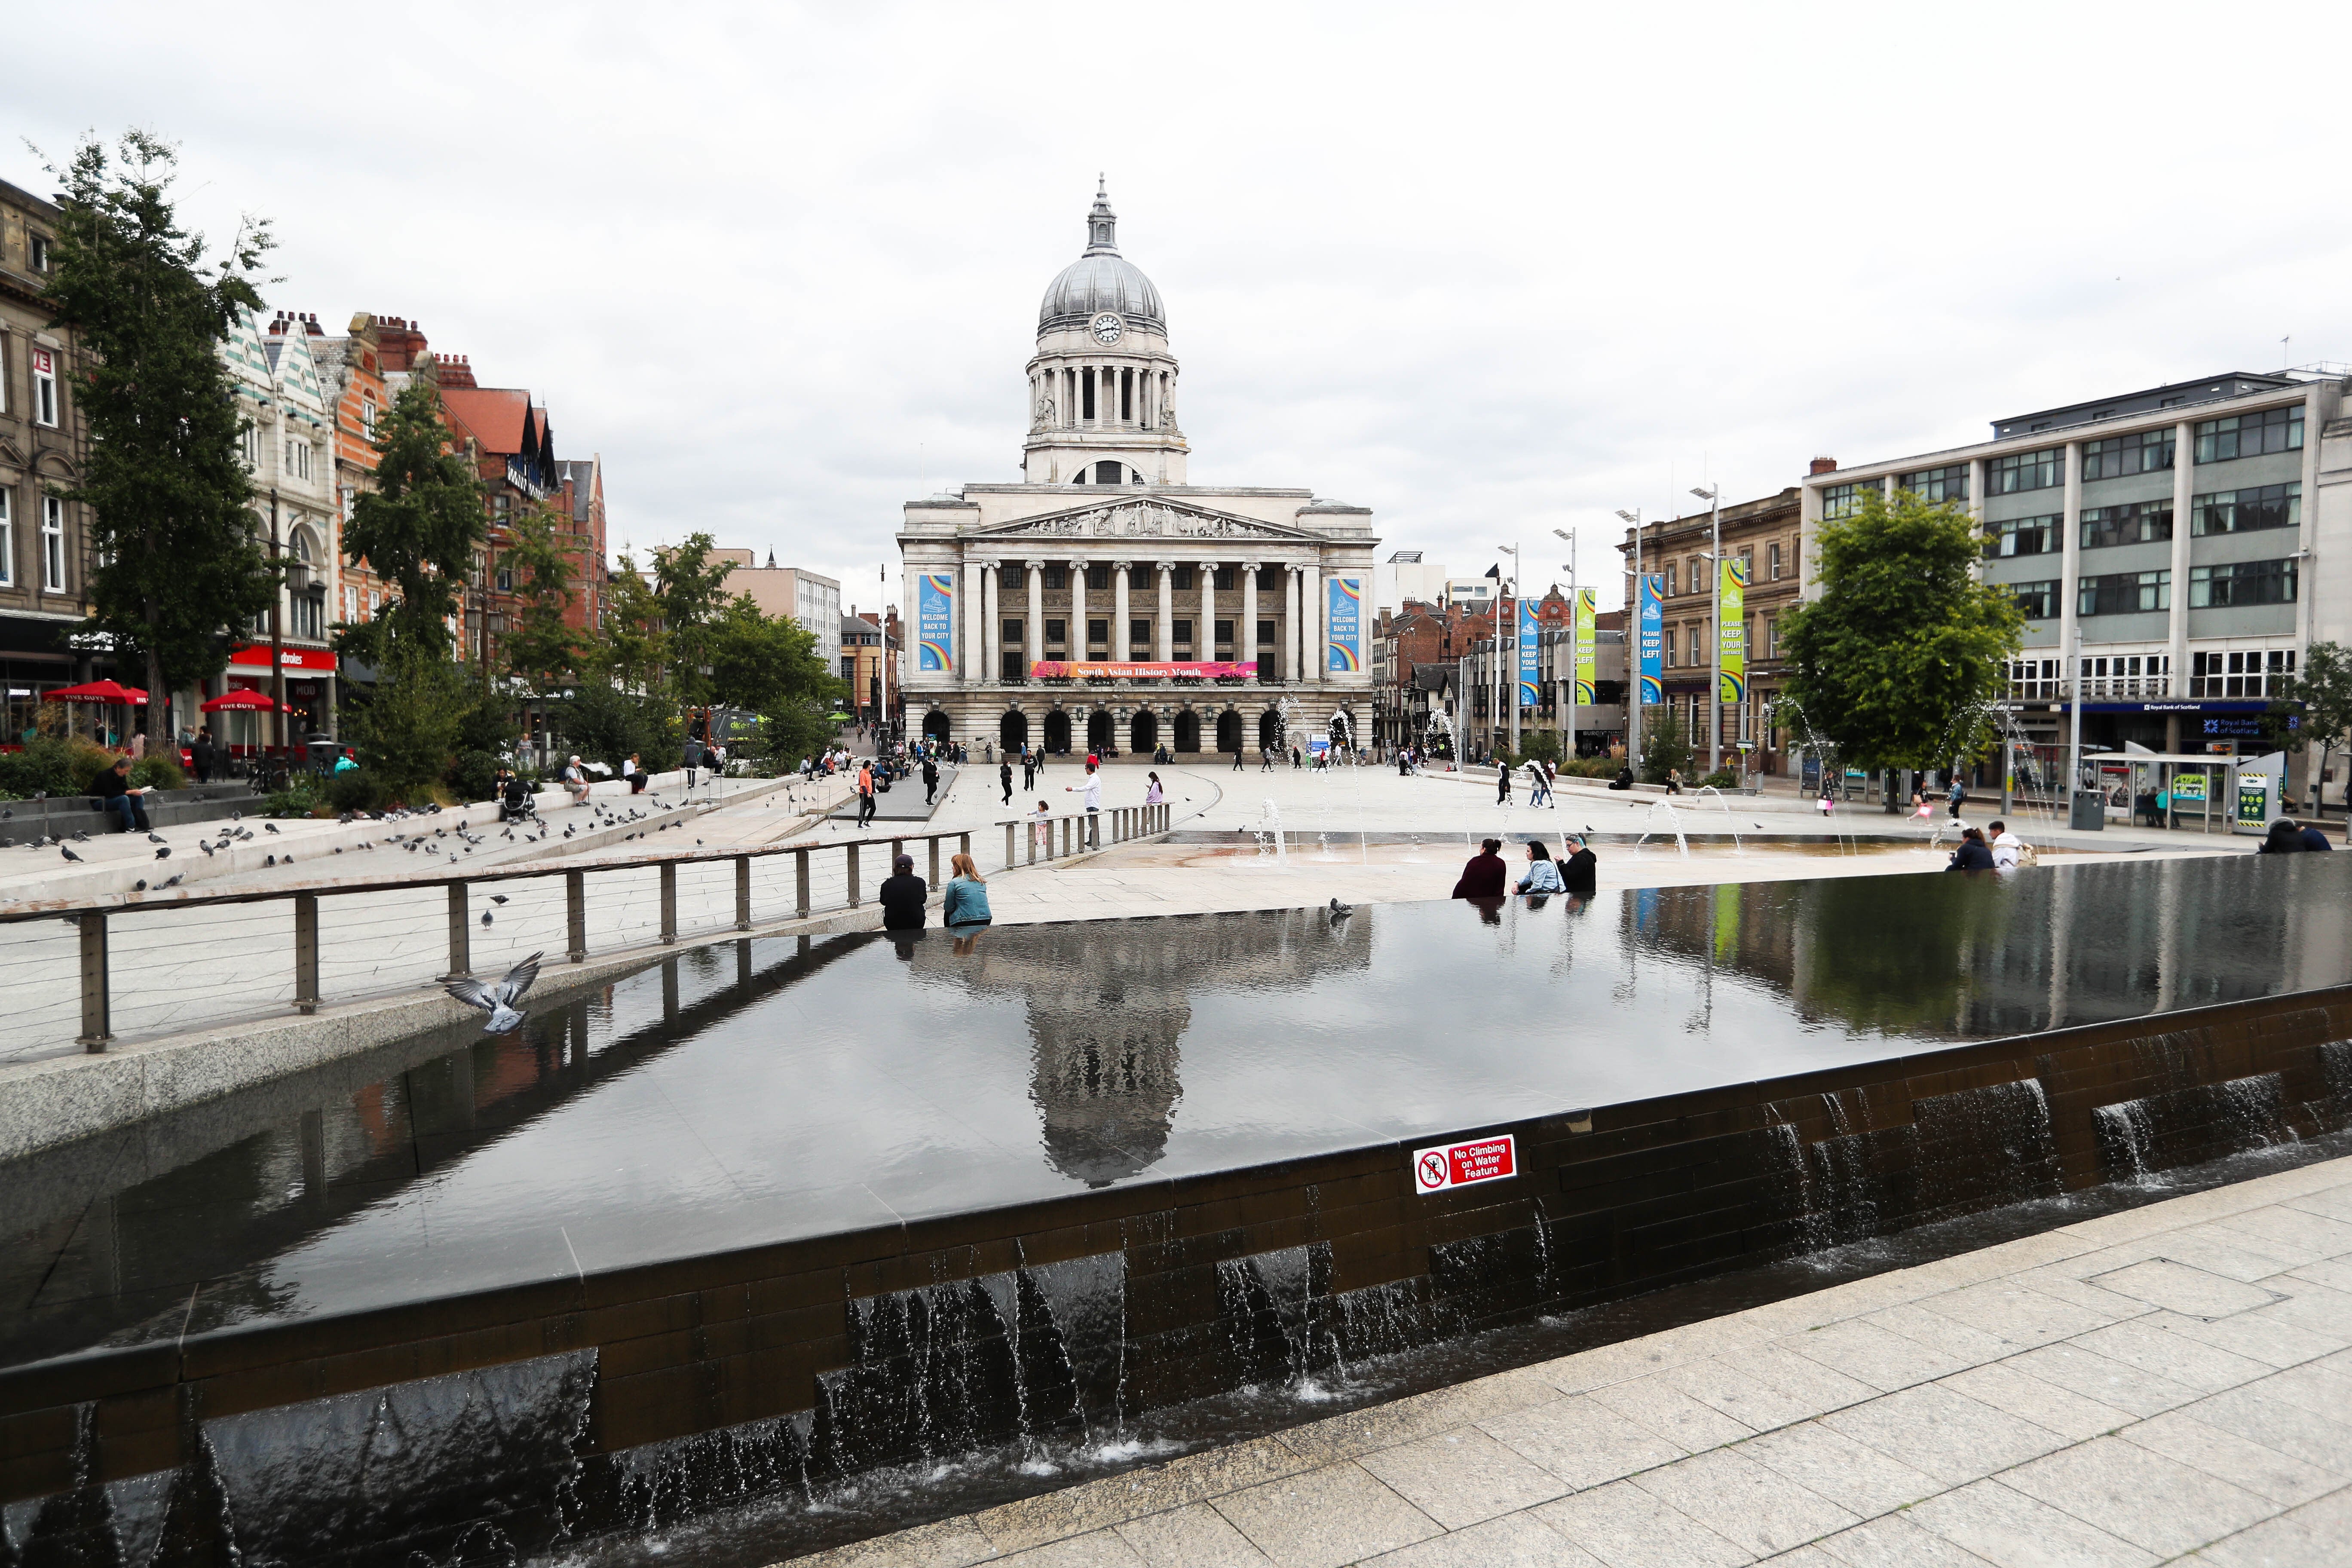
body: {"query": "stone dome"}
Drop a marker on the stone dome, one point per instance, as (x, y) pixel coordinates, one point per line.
(1102, 280)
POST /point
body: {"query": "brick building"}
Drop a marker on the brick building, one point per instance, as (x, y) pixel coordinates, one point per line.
(351, 372)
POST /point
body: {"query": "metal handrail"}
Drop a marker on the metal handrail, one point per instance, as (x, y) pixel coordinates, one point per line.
(1078, 832)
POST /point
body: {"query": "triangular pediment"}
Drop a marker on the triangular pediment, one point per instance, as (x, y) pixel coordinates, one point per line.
(1141, 517)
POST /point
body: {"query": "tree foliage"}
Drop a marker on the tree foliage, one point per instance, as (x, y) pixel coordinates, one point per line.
(2325, 689)
(406, 732)
(692, 592)
(418, 530)
(1897, 658)
(176, 564)
(1666, 747)
(541, 648)
(605, 724)
(635, 650)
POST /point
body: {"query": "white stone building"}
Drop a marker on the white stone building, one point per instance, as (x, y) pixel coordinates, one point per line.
(1106, 604)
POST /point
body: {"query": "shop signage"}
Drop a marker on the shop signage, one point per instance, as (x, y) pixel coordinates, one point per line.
(318, 658)
(1446, 1165)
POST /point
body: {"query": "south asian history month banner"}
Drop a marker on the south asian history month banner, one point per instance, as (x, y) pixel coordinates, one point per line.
(1343, 620)
(1653, 631)
(1731, 633)
(1587, 638)
(1530, 630)
(1209, 669)
(935, 621)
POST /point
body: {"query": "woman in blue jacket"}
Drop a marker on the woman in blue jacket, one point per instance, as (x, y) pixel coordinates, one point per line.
(966, 899)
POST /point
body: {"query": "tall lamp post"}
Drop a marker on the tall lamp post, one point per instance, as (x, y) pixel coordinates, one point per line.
(1507, 669)
(1575, 648)
(1713, 496)
(1633, 650)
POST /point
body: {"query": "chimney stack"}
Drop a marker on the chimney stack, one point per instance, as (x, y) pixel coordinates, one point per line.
(1825, 465)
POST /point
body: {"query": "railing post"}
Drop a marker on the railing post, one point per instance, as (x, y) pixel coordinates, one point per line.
(852, 875)
(575, 915)
(742, 893)
(1010, 829)
(963, 846)
(306, 952)
(461, 950)
(669, 900)
(897, 847)
(935, 860)
(97, 1001)
(800, 881)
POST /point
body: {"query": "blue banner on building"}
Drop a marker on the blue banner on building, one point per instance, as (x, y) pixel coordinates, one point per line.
(1343, 621)
(935, 621)
(1530, 630)
(1653, 632)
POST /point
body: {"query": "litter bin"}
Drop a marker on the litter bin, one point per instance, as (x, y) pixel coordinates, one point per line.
(322, 755)
(2088, 812)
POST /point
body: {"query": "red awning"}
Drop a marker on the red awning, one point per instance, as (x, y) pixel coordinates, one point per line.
(239, 699)
(98, 691)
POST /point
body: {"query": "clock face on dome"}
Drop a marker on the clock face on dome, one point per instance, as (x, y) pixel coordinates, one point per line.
(1106, 328)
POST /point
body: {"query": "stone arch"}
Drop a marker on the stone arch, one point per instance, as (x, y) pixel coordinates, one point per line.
(1143, 731)
(1188, 731)
(1057, 731)
(1229, 730)
(1269, 730)
(1012, 730)
(1099, 732)
(935, 726)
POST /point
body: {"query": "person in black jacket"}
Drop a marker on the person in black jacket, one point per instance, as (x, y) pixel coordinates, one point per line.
(1579, 870)
(1005, 777)
(902, 895)
(204, 754)
(112, 788)
(1973, 854)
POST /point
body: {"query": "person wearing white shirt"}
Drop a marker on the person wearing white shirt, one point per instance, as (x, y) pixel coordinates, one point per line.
(2006, 847)
(1090, 792)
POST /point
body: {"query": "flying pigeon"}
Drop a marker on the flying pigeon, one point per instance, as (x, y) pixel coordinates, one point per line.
(498, 1001)
(68, 852)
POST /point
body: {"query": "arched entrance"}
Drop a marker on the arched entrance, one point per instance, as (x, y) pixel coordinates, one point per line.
(1229, 730)
(1343, 734)
(1188, 730)
(1143, 731)
(1013, 730)
(1269, 731)
(1099, 732)
(1057, 732)
(935, 726)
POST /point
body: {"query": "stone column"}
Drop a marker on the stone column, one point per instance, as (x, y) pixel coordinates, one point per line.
(1036, 614)
(2184, 482)
(1077, 628)
(1205, 631)
(968, 660)
(991, 629)
(1290, 603)
(1118, 569)
(1310, 594)
(1166, 640)
(1245, 635)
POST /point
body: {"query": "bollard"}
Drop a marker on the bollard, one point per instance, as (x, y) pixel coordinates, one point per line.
(669, 900)
(306, 952)
(461, 952)
(1009, 850)
(801, 882)
(575, 915)
(742, 893)
(935, 861)
(852, 875)
(96, 1009)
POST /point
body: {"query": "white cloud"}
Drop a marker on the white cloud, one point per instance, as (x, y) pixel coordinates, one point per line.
(1489, 270)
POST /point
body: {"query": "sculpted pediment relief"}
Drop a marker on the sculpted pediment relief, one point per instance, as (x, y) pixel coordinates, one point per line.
(1141, 520)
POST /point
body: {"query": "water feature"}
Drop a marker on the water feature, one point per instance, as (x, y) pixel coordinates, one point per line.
(1440, 730)
(1268, 831)
(1673, 825)
(1722, 803)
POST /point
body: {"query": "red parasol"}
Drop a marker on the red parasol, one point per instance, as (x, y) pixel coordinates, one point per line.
(98, 691)
(240, 697)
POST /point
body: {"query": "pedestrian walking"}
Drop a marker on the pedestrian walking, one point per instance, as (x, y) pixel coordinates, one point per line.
(1090, 794)
(966, 899)
(693, 759)
(204, 754)
(902, 896)
(1485, 876)
(1502, 784)
(1539, 785)
(865, 793)
(1238, 759)
(1041, 835)
(1264, 760)
(1005, 777)
(1297, 759)
(1030, 761)
(1959, 796)
(930, 780)
(1580, 869)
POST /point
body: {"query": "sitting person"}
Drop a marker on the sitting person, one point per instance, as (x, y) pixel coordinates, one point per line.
(1624, 779)
(2007, 849)
(1543, 875)
(966, 901)
(1673, 781)
(1579, 873)
(635, 772)
(2314, 839)
(1973, 854)
(575, 781)
(1485, 876)
(902, 896)
(2286, 838)
(115, 795)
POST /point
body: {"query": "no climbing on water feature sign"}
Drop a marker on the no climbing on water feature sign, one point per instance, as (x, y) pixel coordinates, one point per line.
(1464, 1164)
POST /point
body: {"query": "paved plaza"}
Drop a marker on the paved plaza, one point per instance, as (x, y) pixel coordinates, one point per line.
(2174, 1381)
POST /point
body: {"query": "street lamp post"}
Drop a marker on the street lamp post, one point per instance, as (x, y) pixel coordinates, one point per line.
(1713, 496)
(1575, 650)
(1507, 669)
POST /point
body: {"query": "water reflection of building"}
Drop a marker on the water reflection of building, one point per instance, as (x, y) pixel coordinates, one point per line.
(1107, 1004)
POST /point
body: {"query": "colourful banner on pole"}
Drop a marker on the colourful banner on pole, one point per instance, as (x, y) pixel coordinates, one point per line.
(1731, 633)
(1530, 631)
(935, 622)
(1343, 622)
(1653, 631)
(1587, 638)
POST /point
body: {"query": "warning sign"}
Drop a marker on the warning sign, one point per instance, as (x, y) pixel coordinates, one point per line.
(1465, 1164)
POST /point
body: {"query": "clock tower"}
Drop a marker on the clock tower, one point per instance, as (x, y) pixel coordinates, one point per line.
(1102, 385)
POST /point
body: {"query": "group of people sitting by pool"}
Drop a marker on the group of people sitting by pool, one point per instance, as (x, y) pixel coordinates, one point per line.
(1990, 849)
(1488, 876)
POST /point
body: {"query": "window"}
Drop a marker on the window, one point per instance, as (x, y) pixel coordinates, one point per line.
(506, 579)
(1225, 578)
(45, 387)
(2024, 471)
(1057, 633)
(1265, 633)
(1671, 589)
(1139, 634)
(2117, 455)
(1947, 483)
(2035, 601)
(2241, 582)
(53, 545)
(1772, 560)
(367, 417)
(2123, 592)
(1182, 635)
(2250, 434)
(1844, 500)
(1183, 575)
(2138, 522)
(2126, 675)
(1224, 634)
(308, 608)
(249, 447)
(1013, 632)
(7, 540)
(350, 603)
(297, 461)
(2243, 512)
(1056, 577)
(1009, 664)
(1097, 633)
(1098, 574)
(36, 249)
(1698, 581)
(2022, 536)
(2255, 672)
(2036, 679)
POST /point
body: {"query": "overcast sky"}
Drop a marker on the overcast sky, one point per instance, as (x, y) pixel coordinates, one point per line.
(1487, 270)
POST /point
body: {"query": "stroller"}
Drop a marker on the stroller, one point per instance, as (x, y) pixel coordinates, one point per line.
(516, 801)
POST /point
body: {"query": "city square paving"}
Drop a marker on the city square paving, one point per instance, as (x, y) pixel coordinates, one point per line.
(2170, 1381)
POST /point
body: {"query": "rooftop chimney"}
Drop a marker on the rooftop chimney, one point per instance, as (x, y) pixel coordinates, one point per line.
(1825, 465)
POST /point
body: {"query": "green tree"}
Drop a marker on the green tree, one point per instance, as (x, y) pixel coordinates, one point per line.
(406, 732)
(1897, 658)
(2325, 689)
(176, 562)
(1664, 746)
(692, 591)
(540, 647)
(636, 648)
(759, 660)
(605, 723)
(418, 530)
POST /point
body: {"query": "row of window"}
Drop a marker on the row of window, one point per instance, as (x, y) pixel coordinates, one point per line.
(1694, 638)
(1269, 578)
(2142, 452)
(1693, 572)
(2214, 672)
(52, 542)
(2150, 522)
(1138, 633)
(2225, 585)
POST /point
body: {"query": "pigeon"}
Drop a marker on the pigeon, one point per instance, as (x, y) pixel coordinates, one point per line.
(176, 881)
(154, 838)
(486, 916)
(269, 828)
(237, 816)
(140, 886)
(68, 852)
(497, 897)
(163, 854)
(498, 1001)
(7, 843)
(5, 814)
(206, 847)
(81, 838)
(1341, 911)
(272, 861)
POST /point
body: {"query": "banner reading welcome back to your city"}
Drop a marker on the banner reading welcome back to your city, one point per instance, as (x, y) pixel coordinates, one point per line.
(935, 621)
(1343, 621)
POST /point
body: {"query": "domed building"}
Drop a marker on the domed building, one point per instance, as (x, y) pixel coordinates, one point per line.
(1105, 602)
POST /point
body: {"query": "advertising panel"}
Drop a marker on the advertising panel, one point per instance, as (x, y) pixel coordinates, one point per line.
(1209, 669)
(1588, 612)
(935, 622)
(1731, 633)
(1530, 632)
(1343, 621)
(1653, 631)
